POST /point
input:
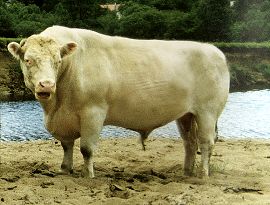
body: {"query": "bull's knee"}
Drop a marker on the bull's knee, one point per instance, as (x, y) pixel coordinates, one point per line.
(88, 169)
(86, 152)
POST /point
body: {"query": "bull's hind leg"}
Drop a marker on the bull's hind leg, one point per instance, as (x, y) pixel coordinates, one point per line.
(187, 127)
(206, 137)
(67, 164)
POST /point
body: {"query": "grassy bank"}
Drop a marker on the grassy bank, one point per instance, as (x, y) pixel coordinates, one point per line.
(249, 64)
(240, 45)
(5, 41)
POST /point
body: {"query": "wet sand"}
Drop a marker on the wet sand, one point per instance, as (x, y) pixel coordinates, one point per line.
(240, 174)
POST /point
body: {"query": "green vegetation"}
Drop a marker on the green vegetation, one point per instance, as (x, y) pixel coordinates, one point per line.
(262, 48)
(5, 41)
(242, 45)
(202, 20)
(264, 68)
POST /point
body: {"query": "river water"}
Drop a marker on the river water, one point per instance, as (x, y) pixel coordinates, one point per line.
(246, 115)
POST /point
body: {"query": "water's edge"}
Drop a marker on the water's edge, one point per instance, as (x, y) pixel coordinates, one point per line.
(246, 115)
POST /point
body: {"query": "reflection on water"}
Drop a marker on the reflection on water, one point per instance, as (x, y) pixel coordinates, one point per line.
(247, 114)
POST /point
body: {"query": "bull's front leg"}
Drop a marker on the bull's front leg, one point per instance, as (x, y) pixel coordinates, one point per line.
(67, 164)
(91, 125)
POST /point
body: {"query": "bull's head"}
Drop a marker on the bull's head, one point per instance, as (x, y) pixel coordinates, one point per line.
(41, 59)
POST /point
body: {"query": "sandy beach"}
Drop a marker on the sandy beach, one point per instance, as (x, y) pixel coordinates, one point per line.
(127, 175)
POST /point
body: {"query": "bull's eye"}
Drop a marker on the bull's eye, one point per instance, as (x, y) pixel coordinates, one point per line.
(28, 62)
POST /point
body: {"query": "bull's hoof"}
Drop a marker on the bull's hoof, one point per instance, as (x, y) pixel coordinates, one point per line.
(204, 177)
(87, 174)
(204, 174)
(64, 172)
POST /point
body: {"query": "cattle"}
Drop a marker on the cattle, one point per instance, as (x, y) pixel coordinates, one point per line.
(85, 80)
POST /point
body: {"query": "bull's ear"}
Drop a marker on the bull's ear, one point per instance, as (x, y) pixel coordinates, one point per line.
(15, 49)
(68, 49)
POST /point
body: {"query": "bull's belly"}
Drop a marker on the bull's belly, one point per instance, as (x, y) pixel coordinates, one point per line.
(146, 118)
(145, 105)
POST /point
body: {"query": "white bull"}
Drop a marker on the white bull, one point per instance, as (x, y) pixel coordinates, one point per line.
(85, 80)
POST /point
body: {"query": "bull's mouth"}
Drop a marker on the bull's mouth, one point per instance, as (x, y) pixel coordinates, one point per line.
(43, 95)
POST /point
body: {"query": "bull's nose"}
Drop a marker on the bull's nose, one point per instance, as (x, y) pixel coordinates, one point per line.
(47, 84)
(44, 89)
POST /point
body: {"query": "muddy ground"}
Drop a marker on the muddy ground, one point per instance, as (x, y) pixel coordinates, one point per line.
(127, 175)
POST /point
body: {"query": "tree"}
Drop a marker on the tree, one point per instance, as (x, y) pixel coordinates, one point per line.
(240, 8)
(179, 25)
(214, 20)
(254, 24)
(49, 5)
(84, 13)
(139, 21)
(181, 5)
(29, 19)
(61, 15)
(5, 21)
(109, 23)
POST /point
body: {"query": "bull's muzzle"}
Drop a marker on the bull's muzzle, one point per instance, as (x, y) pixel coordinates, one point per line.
(45, 89)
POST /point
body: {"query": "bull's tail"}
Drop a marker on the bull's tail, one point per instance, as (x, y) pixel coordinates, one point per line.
(143, 137)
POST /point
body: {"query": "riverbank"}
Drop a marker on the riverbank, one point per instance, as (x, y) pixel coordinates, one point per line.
(127, 175)
(12, 85)
(249, 70)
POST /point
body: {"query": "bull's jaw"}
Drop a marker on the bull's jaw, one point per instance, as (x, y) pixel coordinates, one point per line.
(43, 96)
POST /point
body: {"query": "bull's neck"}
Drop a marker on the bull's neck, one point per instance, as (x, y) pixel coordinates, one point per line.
(63, 91)
(49, 106)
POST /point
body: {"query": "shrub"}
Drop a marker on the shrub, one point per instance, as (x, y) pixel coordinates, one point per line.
(240, 77)
(264, 68)
(5, 41)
